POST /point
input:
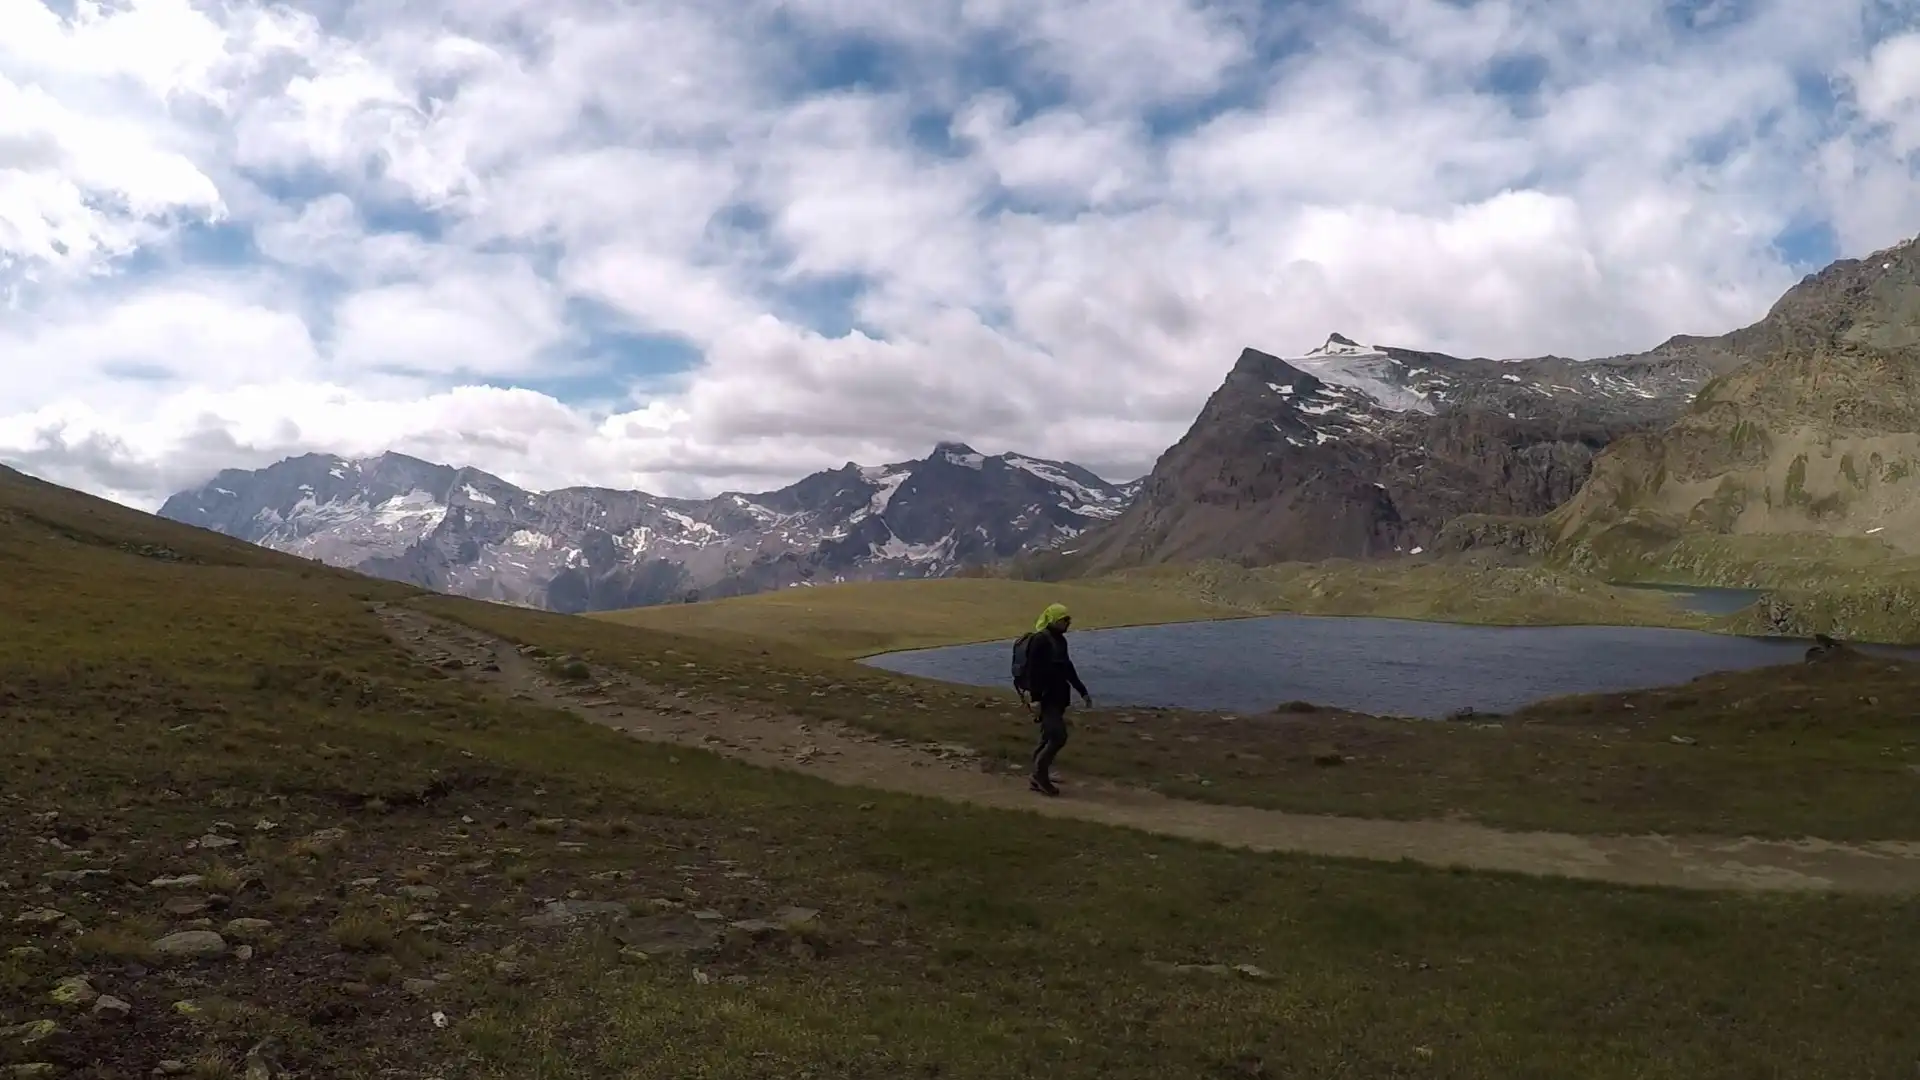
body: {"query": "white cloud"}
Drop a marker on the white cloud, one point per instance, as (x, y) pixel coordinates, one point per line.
(491, 318)
(1051, 224)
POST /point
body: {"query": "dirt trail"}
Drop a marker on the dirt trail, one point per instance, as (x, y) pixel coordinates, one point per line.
(852, 757)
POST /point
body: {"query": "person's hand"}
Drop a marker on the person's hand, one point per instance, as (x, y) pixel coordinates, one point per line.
(1086, 701)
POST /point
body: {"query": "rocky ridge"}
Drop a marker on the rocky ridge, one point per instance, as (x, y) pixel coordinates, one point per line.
(468, 532)
(1365, 451)
(1802, 421)
(1819, 436)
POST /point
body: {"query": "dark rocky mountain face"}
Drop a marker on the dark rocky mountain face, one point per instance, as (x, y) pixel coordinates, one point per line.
(588, 549)
(1353, 451)
(1357, 451)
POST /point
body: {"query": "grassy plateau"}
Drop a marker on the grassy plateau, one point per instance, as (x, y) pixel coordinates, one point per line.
(1824, 750)
(867, 618)
(249, 835)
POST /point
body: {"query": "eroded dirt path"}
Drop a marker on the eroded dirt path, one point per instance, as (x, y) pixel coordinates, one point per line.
(851, 757)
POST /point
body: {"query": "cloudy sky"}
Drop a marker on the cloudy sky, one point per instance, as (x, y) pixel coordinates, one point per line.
(687, 245)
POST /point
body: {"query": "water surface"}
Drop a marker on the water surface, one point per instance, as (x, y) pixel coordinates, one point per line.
(1384, 666)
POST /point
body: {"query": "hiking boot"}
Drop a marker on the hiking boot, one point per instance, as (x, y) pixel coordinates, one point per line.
(1043, 787)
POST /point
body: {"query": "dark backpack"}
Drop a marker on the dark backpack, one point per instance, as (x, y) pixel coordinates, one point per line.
(1020, 648)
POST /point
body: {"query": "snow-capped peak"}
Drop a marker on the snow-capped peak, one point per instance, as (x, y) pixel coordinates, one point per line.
(1367, 368)
(1342, 345)
(471, 533)
(960, 454)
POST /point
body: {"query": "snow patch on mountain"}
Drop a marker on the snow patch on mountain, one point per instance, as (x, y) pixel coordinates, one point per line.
(886, 484)
(896, 548)
(528, 540)
(1366, 368)
(582, 549)
(415, 509)
(1106, 501)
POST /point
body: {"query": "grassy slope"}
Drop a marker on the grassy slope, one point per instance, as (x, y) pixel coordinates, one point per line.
(1601, 764)
(868, 618)
(863, 619)
(1441, 591)
(147, 700)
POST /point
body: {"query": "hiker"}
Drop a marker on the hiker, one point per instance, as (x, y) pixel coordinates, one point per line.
(1051, 680)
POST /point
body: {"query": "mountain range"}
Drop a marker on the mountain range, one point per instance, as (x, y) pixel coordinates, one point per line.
(1362, 451)
(1807, 421)
(464, 531)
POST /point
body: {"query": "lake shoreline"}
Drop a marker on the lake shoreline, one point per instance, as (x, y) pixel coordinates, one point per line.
(1710, 625)
(1373, 665)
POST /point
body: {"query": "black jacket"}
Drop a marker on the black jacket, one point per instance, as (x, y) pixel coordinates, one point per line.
(1051, 678)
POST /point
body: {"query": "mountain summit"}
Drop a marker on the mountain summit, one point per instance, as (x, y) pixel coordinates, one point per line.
(1359, 450)
(583, 549)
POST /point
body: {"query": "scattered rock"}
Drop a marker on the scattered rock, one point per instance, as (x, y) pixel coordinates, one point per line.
(419, 987)
(795, 917)
(40, 917)
(671, 934)
(184, 881)
(172, 1068)
(26, 952)
(192, 945)
(33, 1070)
(321, 839)
(109, 1007)
(210, 842)
(74, 990)
(1251, 972)
(243, 954)
(33, 1031)
(246, 928)
(418, 892)
(259, 1063)
(68, 877)
(186, 1008)
(185, 906)
(1682, 740)
(566, 912)
(1189, 969)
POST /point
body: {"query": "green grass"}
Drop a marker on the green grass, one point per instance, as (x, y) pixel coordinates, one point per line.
(867, 618)
(1821, 750)
(146, 700)
(1800, 750)
(1454, 591)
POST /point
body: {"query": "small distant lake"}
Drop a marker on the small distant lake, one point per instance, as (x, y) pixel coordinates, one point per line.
(1384, 666)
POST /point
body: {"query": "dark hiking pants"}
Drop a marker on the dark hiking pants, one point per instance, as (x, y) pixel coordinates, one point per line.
(1053, 736)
